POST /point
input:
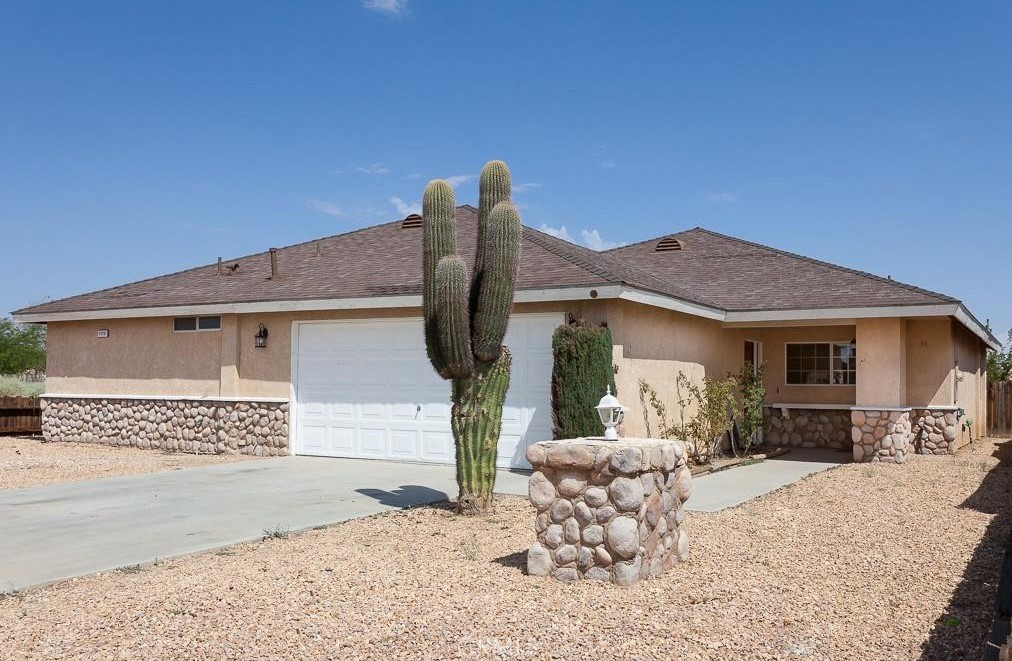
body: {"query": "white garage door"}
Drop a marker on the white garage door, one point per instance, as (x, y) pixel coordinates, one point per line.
(366, 389)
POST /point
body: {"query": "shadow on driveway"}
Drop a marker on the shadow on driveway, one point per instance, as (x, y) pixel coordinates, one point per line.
(405, 495)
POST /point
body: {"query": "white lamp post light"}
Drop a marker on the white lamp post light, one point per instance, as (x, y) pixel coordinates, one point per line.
(611, 413)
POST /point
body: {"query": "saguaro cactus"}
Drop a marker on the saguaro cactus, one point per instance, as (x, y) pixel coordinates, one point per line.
(466, 320)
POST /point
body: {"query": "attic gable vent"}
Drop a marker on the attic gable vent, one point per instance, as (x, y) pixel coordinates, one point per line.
(668, 244)
(412, 221)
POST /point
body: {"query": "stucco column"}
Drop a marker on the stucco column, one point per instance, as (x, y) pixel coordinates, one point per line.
(230, 351)
(881, 362)
(881, 422)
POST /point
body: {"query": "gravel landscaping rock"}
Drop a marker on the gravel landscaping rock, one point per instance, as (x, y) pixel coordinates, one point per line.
(26, 462)
(867, 561)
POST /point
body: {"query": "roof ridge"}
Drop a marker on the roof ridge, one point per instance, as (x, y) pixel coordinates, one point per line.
(640, 243)
(555, 245)
(845, 269)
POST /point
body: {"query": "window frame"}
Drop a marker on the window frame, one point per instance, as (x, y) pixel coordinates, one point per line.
(832, 345)
(196, 324)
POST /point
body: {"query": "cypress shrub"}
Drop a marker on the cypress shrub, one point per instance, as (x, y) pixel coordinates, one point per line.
(581, 372)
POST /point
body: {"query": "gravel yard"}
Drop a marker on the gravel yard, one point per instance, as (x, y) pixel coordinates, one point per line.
(861, 562)
(27, 462)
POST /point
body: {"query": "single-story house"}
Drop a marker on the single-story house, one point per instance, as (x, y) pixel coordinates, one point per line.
(317, 348)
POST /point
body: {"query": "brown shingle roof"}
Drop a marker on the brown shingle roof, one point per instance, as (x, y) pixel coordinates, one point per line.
(385, 260)
(734, 274)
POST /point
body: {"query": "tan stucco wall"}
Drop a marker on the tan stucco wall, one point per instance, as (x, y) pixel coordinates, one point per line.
(881, 362)
(969, 361)
(929, 362)
(140, 357)
(655, 345)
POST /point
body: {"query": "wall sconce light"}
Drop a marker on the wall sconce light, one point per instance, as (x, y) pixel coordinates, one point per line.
(260, 339)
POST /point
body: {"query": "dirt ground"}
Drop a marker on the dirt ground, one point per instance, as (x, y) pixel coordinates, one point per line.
(30, 462)
(861, 562)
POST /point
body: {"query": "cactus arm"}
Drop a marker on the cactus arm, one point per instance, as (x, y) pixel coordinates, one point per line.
(495, 295)
(439, 240)
(452, 317)
(494, 186)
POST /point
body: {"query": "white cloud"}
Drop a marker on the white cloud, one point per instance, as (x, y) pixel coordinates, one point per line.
(459, 179)
(590, 238)
(523, 188)
(390, 7)
(323, 206)
(405, 208)
(607, 165)
(375, 168)
(558, 232)
(722, 198)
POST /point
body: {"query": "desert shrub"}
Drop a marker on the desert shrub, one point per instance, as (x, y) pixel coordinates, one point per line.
(581, 371)
(715, 403)
(13, 387)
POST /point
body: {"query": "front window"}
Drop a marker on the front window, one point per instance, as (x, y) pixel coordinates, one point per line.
(821, 364)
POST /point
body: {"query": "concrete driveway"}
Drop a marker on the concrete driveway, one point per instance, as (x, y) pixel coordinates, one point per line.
(55, 532)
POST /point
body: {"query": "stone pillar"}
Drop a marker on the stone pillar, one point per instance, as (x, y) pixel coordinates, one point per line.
(608, 510)
(935, 430)
(881, 435)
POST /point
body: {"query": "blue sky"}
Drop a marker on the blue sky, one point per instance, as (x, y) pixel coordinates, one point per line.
(142, 138)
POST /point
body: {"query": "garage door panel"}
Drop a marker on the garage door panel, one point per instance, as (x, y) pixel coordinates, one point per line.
(372, 441)
(404, 443)
(342, 441)
(436, 412)
(437, 445)
(314, 438)
(370, 387)
(372, 410)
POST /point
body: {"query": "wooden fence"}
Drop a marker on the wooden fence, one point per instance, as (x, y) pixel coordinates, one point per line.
(20, 415)
(999, 408)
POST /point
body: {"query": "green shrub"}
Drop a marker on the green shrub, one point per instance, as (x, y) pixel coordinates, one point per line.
(14, 387)
(581, 372)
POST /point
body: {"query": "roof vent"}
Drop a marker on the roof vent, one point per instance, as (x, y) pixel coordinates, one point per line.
(412, 221)
(668, 244)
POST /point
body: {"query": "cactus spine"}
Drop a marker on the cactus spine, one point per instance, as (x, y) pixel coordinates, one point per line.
(466, 321)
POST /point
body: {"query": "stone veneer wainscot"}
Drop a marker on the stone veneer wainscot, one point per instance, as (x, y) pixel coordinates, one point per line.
(881, 435)
(212, 426)
(807, 427)
(608, 510)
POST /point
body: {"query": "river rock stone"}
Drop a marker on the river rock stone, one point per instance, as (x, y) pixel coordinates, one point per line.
(618, 518)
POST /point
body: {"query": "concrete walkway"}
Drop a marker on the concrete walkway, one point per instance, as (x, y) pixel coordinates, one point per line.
(55, 532)
(727, 488)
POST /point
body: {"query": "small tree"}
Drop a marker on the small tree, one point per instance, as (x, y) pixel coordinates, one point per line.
(999, 363)
(22, 347)
(753, 395)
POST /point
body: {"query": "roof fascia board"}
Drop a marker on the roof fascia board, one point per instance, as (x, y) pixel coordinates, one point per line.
(980, 330)
(367, 302)
(753, 316)
(671, 303)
